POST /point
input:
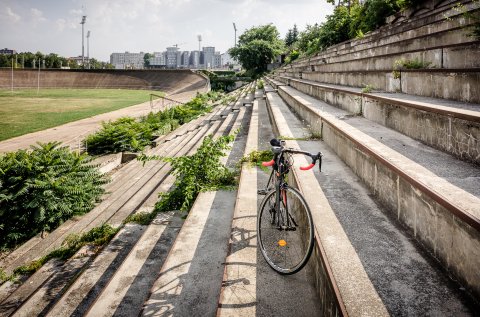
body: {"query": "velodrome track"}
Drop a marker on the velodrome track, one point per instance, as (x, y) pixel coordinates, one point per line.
(179, 85)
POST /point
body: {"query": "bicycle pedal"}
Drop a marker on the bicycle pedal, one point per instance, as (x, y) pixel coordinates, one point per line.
(262, 192)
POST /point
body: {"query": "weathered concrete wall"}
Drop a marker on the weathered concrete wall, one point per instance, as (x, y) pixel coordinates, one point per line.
(453, 135)
(381, 80)
(453, 131)
(347, 101)
(455, 85)
(452, 241)
(432, 58)
(427, 32)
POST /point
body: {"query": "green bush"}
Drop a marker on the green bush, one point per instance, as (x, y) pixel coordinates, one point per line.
(42, 188)
(129, 134)
(199, 172)
(348, 22)
(124, 134)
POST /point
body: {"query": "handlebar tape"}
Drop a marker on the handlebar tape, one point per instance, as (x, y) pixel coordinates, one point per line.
(270, 163)
(306, 168)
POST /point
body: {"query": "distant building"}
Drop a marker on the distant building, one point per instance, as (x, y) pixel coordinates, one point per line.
(184, 59)
(194, 59)
(217, 60)
(173, 57)
(159, 60)
(127, 60)
(208, 57)
(7, 51)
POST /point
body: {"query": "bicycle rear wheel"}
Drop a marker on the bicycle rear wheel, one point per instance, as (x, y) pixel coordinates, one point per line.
(285, 235)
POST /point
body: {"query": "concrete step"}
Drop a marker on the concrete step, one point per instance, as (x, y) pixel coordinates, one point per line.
(250, 287)
(455, 56)
(122, 188)
(434, 83)
(410, 213)
(428, 32)
(453, 127)
(35, 296)
(105, 276)
(114, 298)
(190, 279)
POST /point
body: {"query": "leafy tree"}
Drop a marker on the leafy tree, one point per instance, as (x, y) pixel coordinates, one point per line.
(146, 59)
(257, 47)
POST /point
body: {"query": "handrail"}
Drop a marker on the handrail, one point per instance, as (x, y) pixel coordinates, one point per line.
(163, 98)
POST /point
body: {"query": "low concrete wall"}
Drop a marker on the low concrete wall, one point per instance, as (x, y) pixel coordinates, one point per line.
(318, 265)
(381, 80)
(445, 131)
(451, 130)
(455, 85)
(459, 85)
(405, 189)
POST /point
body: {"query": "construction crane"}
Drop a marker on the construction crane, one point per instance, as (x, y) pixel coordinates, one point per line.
(176, 45)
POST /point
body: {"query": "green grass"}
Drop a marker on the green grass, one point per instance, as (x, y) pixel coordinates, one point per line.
(23, 111)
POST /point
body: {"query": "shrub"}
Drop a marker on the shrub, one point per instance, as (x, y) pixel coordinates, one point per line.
(201, 171)
(42, 188)
(124, 134)
(129, 134)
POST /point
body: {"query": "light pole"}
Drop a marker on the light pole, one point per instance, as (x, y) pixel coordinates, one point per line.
(199, 37)
(235, 28)
(38, 77)
(88, 49)
(84, 18)
(12, 73)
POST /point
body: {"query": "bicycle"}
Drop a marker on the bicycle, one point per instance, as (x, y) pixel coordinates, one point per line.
(284, 220)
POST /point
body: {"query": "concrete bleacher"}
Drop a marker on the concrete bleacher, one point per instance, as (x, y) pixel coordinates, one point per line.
(413, 141)
(134, 188)
(443, 47)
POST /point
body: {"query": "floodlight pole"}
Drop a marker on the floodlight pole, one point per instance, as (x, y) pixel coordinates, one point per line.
(88, 49)
(84, 18)
(38, 77)
(12, 73)
(235, 28)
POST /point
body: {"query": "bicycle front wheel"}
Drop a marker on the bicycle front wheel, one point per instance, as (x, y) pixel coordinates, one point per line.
(285, 234)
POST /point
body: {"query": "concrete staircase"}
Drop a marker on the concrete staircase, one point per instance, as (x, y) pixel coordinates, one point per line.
(397, 208)
(439, 39)
(133, 189)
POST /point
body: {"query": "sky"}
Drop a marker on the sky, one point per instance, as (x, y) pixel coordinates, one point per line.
(53, 26)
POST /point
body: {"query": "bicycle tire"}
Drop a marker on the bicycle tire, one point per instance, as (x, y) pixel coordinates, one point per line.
(276, 244)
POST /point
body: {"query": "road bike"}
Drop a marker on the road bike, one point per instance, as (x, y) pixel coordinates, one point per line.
(284, 221)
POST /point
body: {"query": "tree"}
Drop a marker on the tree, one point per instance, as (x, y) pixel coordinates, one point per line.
(257, 47)
(146, 59)
(294, 33)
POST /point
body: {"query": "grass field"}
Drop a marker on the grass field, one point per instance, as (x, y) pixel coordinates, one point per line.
(24, 111)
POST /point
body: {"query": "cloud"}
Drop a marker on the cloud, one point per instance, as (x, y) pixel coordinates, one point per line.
(8, 15)
(37, 16)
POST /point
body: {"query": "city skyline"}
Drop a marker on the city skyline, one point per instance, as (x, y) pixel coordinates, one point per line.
(53, 26)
